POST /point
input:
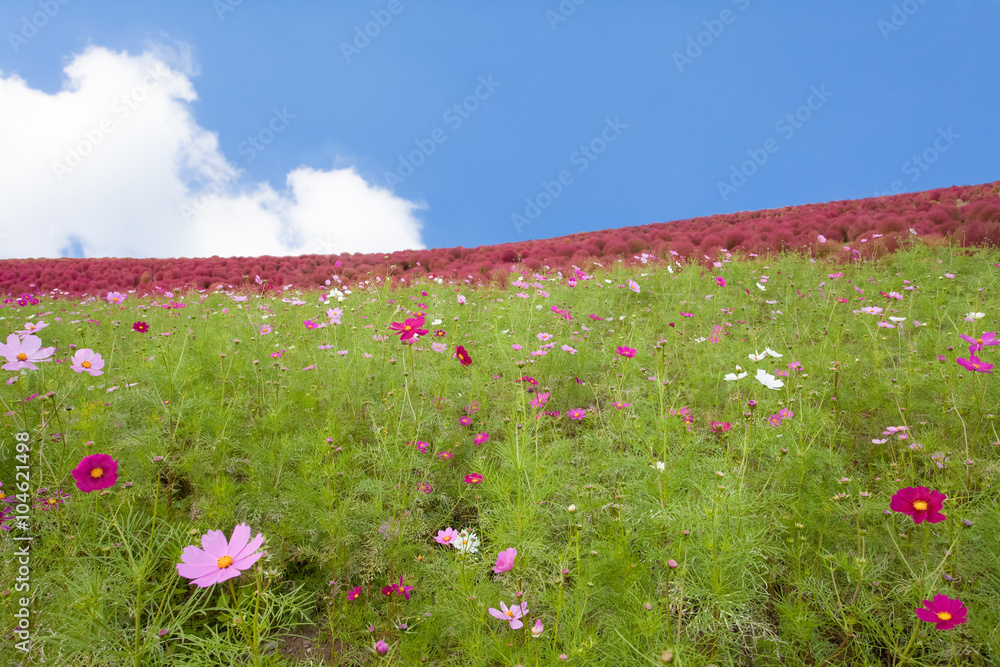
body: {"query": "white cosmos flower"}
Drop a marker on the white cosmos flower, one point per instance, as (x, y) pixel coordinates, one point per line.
(700, 340)
(898, 319)
(768, 380)
(670, 269)
(437, 322)
(771, 352)
(733, 377)
(761, 287)
(467, 542)
(660, 465)
(972, 317)
(757, 356)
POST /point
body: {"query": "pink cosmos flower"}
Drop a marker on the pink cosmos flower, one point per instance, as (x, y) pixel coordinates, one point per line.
(943, 611)
(988, 338)
(577, 413)
(464, 421)
(32, 328)
(481, 438)
(687, 314)
(410, 327)
(353, 593)
(219, 560)
(540, 399)
(720, 281)
(96, 472)
(514, 614)
(21, 353)
(445, 455)
(266, 329)
(447, 536)
(422, 446)
(920, 503)
(115, 297)
(625, 351)
(474, 478)
(619, 405)
(505, 560)
(87, 361)
(973, 363)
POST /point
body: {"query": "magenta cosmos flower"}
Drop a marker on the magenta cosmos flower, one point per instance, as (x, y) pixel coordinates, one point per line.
(920, 503)
(481, 438)
(409, 327)
(353, 593)
(720, 281)
(514, 614)
(219, 560)
(87, 361)
(140, 327)
(21, 353)
(988, 338)
(973, 363)
(505, 560)
(625, 351)
(474, 478)
(463, 356)
(96, 472)
(944, 612)
(577, 413)
(447, 537)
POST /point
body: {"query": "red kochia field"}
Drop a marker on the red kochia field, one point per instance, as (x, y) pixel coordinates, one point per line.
(870, 226)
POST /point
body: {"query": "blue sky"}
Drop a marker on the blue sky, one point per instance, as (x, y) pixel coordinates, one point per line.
(682, 92)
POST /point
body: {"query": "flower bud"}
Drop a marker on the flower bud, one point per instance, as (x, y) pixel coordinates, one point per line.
(571, 508)
(538, 628)
(667, 657)
(382, 647)
(672, 564)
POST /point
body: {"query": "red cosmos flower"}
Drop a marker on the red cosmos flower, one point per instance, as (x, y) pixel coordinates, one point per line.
(944, 612)
(463, 356)
(96, 472)
(440, 333)
(410, 327)
(920, 503)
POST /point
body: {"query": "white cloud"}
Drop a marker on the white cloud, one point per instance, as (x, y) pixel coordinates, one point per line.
(115, 164)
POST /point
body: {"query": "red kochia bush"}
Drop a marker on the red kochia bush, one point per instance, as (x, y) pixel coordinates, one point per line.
(971, 214)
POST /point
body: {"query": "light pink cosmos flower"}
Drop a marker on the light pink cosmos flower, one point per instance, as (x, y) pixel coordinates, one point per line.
(219, 559)
(115, 297)
(21, 353)
(87, 361)
(514, 614)
(32, 328)
(505, 560)
(447, 537)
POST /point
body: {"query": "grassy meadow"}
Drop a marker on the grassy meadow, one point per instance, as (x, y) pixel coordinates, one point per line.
(660, 512)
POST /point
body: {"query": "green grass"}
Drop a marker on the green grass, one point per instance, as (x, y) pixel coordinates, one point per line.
(773, 567)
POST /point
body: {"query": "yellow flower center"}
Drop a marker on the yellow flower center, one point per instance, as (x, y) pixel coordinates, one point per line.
(96, 473)
(510, 613)
(406, 327)
(920, 506)
(21, 356)
(2, 495)
(85, 364)
(979, 341)
(944, 616)
(51, 501)
(224, 562)
(447, 538)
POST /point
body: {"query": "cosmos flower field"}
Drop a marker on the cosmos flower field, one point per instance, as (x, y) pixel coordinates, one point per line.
(773, 460)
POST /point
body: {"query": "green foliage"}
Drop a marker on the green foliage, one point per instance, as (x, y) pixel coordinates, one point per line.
(759, 545)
